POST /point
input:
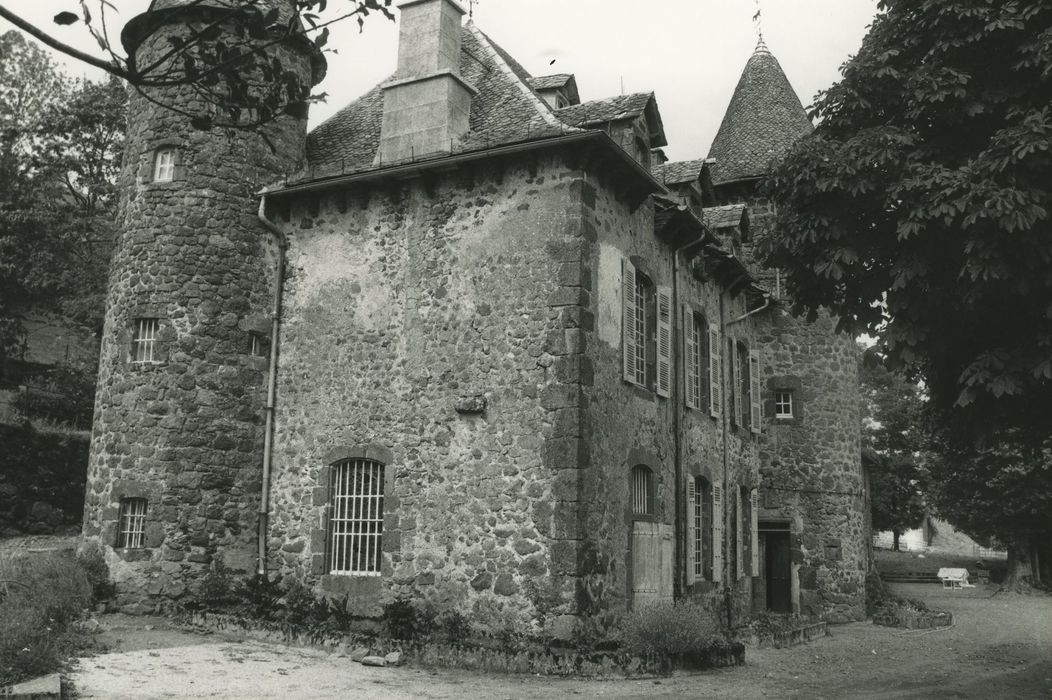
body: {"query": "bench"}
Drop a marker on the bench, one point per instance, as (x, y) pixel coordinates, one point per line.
(954, 578)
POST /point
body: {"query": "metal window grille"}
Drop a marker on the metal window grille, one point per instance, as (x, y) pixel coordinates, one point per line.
(641, 491)
(639, 334)
(357, 519)
(144, 343)
(131, 533)
(783, 404)
(164, 166)
(699, 563)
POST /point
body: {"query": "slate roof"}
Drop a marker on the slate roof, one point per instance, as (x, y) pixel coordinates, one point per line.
(505, 110)
(723, 217)
(763, 120)
(679, 172)
(550, 82)
(608, 109)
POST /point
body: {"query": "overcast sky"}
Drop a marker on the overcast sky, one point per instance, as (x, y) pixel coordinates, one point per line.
(689, 52)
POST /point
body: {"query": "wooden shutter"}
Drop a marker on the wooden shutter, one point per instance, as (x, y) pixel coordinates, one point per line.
(736, 380)
(691, 531)
(628, 319)
(754, 526)
(715, 372)
(717, 532)
(756, 405)
(739, 525)
(690, 360)
(664, 341)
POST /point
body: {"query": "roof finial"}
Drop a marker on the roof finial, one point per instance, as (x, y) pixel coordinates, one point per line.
(757, 20)
(471, 9)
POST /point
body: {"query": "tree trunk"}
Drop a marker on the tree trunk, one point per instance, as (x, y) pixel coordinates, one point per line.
(895, 540)
(1019, 574)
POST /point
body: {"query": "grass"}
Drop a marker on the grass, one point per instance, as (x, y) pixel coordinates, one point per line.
(890, 563)
(42, 599)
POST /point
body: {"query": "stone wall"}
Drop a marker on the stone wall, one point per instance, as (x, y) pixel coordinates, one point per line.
(433, 324)
(185, 432)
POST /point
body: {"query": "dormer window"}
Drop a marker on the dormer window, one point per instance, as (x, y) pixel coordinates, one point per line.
(164, 165)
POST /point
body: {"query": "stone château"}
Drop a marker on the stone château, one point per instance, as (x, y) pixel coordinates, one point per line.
(470, 335)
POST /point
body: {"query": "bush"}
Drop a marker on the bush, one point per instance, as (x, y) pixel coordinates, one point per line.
(667, 628)
(39, 600)
(402, 619)
(41, 467)
(877, 593)
(98, 574)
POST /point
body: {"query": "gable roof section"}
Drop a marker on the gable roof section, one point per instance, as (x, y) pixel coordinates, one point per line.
(764, 119)
(611, 109)
(679, 172)
(550, 82)
(727, 216)
(505, 110)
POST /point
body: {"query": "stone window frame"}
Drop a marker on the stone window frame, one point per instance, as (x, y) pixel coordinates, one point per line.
(362, 537)
(164, 341)
(145, 330)
(153, 528)
(642, 480)
(641, 458)
(131, 522)
(391, 541)
(148, 163)
(785, 383)
(164, 164)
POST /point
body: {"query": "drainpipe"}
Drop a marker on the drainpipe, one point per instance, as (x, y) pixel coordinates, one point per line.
(677, 407)
(272, 381)
(766, 303)
(726, 499)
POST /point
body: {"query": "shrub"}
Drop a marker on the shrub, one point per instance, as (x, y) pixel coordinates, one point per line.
(217, 587)
(402, 619)
(877, 593)
(39, 601)
(98, 574)
(667, 628)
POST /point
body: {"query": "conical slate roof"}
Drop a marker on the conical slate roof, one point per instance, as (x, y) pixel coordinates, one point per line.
(764, 118)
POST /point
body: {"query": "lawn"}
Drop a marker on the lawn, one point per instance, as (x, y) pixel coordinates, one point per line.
(892, 563)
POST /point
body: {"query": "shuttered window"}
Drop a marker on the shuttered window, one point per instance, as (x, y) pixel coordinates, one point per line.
(131, 530)
(164, 165)
(633, 324)
(356, 518)
(695, 530)
(754, 529)
(664, 341)
(694, 334)
(739, 524)
(736, 381)
(755, 402)
(715, 372)
(717, 532)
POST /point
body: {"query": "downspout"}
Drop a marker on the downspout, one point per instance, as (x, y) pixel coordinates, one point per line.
(677, 399)
(726, 500)
(272, 381)
(766, 303)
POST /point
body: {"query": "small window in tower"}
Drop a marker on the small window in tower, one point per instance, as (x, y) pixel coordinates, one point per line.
(131, 533)
(783, 404)
(144, 342)
(258, 345)
(164, 165)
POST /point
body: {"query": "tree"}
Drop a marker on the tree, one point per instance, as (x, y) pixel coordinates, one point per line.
(918, 212)
(894, 442)
(225, 56)
(60, 154)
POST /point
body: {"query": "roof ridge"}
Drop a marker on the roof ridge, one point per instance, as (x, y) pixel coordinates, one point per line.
(504, 60)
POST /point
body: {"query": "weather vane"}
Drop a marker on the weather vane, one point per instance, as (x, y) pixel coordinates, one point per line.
(757, 19)
(471, 9)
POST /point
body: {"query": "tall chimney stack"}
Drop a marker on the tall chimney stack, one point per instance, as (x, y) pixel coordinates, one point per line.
(426, 106)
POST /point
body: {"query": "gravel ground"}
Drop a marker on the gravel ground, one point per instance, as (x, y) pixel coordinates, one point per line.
(999, 647)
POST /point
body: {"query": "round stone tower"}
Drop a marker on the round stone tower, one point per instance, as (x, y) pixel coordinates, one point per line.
(176, 452)
(812, 483)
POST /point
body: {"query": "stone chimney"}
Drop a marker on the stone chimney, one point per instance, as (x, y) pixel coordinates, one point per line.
(426, 106)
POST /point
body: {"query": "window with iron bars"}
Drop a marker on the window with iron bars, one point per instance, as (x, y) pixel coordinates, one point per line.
(131, 530)
(642, 491)
(144, 342)
(356, 519)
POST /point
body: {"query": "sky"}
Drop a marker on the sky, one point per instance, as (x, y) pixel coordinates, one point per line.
(690, 53)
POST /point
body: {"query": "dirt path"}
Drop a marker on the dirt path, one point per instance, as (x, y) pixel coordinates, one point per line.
(1000, 646)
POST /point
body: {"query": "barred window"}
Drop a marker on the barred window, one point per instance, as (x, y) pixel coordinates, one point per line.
(356, 520)
(783, 404)
(144, 342)
(258, 345)
(164, 165)
(642, 491)
(131, 531)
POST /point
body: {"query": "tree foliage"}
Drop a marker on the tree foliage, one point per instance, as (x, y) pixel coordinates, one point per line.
(895, 444)
(225, 56)
(918, 212)
(59, 155)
